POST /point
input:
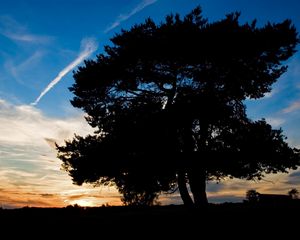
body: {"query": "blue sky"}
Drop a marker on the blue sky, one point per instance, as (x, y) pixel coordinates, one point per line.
(42, 41)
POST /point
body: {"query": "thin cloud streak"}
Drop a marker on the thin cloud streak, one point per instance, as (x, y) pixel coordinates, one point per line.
(17, 70)
(292, 107)
(271, 94)
(15, 31)
(89, 46)
(124, 17)
(275, 122)
(26, 37)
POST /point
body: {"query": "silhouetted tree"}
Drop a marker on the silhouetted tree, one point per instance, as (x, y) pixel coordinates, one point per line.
(167, 101)
(293, 193)
(134, 179)
(252, 196)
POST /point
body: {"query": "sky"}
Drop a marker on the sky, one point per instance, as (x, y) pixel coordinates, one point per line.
(42, 42)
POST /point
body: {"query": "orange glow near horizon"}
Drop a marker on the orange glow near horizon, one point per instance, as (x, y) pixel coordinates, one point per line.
(83, 202)
(20, 189)
(83, 196)
(67, 194)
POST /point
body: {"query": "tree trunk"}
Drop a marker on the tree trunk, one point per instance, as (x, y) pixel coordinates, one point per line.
(197, 179)
(197, 174)
(184, 193)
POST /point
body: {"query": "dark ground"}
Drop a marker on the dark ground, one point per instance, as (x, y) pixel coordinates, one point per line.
(227, 220)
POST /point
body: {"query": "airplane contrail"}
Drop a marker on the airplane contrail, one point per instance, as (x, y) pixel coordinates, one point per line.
(88, 46)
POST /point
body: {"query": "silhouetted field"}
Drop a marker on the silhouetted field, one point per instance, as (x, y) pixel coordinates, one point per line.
(224, 220)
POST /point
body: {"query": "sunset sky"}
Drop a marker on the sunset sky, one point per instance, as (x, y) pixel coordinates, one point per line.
(41, 42)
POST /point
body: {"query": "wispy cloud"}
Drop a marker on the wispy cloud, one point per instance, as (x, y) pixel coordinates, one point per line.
(26, 37)
(294, 106)
(275, 122)
(88, 46)
(29, 171)
(294, 178)
(291, 77)
(294, 67)
(15, 31)
(235, 189)
(17, 70)
(25, 125)
(123, 17)
(271, 94)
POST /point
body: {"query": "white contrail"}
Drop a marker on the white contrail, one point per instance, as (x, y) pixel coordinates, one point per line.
(124, 17)
(88, 46)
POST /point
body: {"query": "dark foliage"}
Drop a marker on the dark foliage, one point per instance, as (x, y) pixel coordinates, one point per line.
(293, 193)
(252, 196)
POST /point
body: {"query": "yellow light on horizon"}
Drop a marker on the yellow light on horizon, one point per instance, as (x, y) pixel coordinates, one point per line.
(83, 202)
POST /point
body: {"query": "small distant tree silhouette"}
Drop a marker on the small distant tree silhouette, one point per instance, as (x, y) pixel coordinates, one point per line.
(293, 193)
(252, 196)
(167, 102)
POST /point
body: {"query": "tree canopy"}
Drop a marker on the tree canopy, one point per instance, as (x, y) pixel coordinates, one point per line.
(167, 103)
(252, 196)
(293, 193)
